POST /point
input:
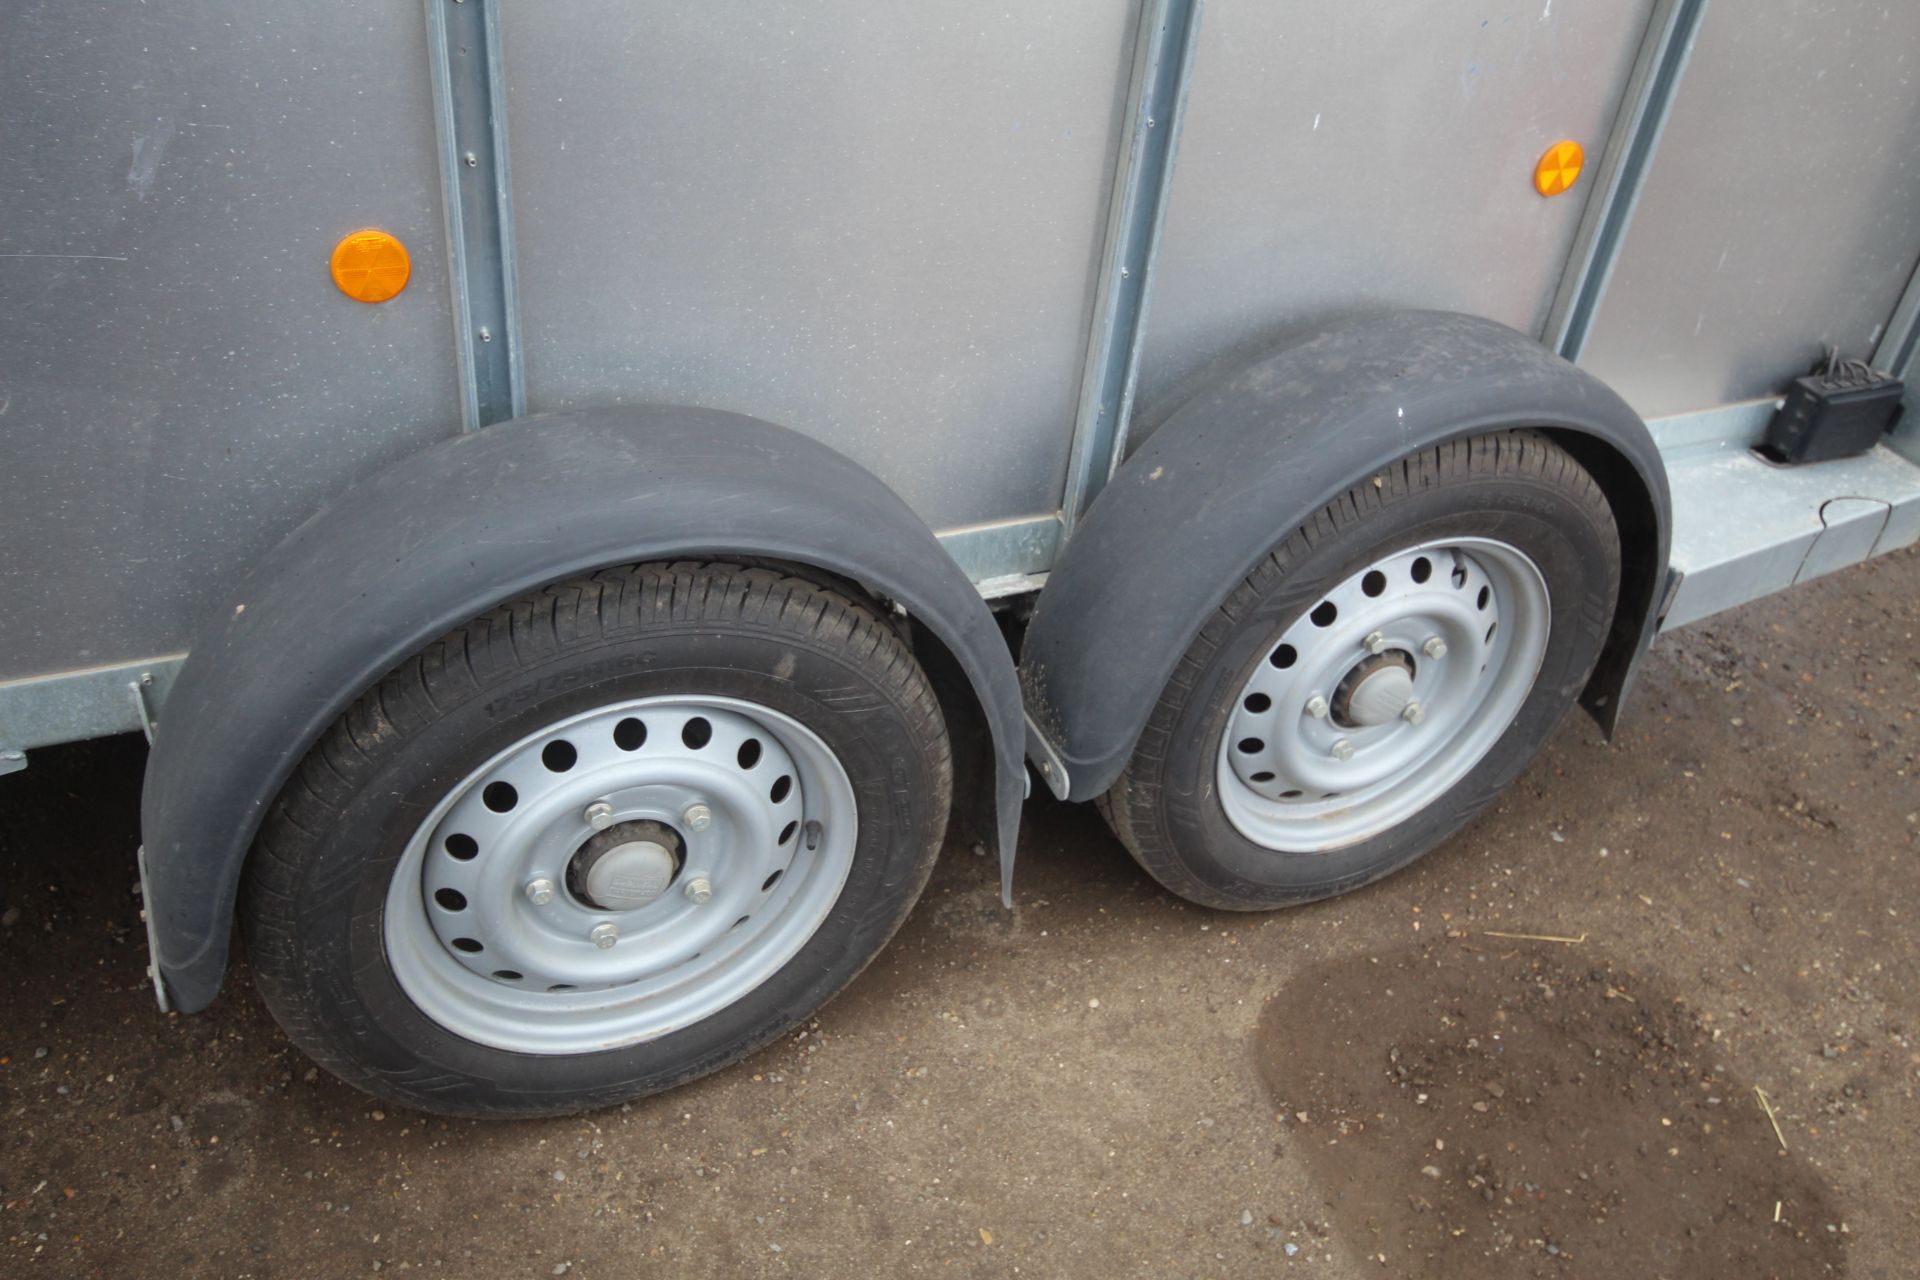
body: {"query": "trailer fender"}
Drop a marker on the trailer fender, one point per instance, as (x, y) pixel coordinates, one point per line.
(446, 534)
(1251, 455)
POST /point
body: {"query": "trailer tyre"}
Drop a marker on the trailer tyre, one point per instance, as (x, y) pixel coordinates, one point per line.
(602, 840)
(1377, 678)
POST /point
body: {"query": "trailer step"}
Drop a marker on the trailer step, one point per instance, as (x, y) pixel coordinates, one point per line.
(1744, 527)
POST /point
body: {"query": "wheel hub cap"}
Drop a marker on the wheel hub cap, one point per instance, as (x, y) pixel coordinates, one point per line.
(1383, 695)
(1376, 691)
(625, 867)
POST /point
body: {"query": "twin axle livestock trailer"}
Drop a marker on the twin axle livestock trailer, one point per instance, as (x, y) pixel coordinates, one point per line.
(578, 493)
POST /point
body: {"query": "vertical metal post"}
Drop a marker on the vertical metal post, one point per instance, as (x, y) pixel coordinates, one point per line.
(469, 94)
(1622, 173)
(1156, 101)
(1901, 337)
(1899, 354)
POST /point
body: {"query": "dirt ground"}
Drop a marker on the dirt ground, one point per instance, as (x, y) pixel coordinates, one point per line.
(1106, 1082)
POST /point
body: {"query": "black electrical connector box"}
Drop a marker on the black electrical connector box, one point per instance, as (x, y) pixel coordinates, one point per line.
(1840, 409)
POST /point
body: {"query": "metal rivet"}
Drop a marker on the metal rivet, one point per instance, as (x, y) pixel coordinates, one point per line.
(697, 817)
(539, 892)
(1317, 707)
(699, 889)
(471, 159)
(599, 816)
(486, 335)
(1435, 647)
(1343, 750)
(1414, 712)
(1375, 643)
(604, 934)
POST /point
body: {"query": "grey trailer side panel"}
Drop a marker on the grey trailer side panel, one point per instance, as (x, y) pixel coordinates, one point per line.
(180, 382)
(879, 224)
(439, 538)
(1782, 210)
(1339, 158)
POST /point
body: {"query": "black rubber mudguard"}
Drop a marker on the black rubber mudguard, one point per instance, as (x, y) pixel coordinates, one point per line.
(1251, 456)
(444, 535)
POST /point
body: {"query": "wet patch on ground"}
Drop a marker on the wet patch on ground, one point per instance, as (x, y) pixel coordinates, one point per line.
(1485, 1107)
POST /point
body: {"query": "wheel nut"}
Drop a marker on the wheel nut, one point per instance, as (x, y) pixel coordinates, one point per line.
(600, 816)
(1435, 647)
(1414, 713)
(604, 934)
(540, 892)
(697, 817)
(1343, 750)
(1317, 707)
(699, 890)
(1375, 643)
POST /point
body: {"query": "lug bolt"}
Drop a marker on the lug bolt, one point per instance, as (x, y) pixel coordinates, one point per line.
(1435, 647)
(1375, 643)
(539, 892)
(600, 816)
(604, 934)
(1317, 707)
(1414, 713)
(1343, 750)
(697, 817)
(699, 890)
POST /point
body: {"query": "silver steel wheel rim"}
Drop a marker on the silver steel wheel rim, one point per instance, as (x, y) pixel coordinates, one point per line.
(1301, 770)
(774, 854)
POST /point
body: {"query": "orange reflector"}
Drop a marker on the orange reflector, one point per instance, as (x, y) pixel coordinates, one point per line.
(1559, 168)
(370, 266)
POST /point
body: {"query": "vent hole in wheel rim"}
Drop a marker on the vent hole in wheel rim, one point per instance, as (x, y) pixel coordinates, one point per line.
(1491, 628)
(1422, 569)
(781, 786)
(468, 945)
(500, 797)
(737, 923)
(463, 847)
(508, 975)
(1252, 746)
(1262, 776)
(1293, 794)
(630, 734)
(1459, 577)
(773, 879)
(1283, 657)
(786, 832)
(1480, 601)
(450, 899)
(559, 756)
(1325, 613)
(1374, 583)
(697, 733)
(749, 753)
(1257, 702)
(561, 986)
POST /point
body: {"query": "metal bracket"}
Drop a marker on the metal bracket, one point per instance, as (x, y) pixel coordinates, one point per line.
(142, 691)
(469, 98)
(153, 936)
(1044, 755)
(1622, 173)
(1156, 102)
(12, 762)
